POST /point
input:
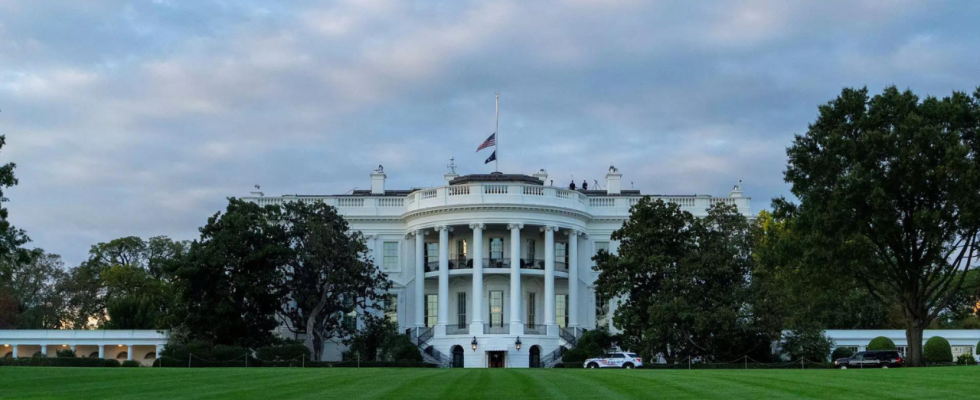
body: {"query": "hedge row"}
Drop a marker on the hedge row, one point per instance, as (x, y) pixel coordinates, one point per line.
(809, 365)
(170, 362)
(60, 362)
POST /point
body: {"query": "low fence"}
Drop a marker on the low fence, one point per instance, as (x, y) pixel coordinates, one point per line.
(242, 361)
(744, 363)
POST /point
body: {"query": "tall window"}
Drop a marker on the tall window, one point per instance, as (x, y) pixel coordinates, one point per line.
(431, 309)
(531, 320)
(601, 246)
(391, 309)
(496, 248)
(561, 310)
(601, 312)
(350, 321)
(431, 256)
(531, 244)
(561, 255)
(350, 318)
(496, 308)
(460, 257)
(390, 254)
(461, 310)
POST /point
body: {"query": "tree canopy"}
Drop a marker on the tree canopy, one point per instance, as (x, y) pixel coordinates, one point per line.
(890, 183)
(684, 284)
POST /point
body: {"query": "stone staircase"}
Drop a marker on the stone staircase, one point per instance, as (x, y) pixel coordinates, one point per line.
(421, 337)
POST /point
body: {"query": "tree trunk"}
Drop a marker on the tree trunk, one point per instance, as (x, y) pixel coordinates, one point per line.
(316, 348)
(913, 335)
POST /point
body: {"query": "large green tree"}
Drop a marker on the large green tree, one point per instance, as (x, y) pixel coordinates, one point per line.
(32, 299)
(125, 280)
(328, 274)
(684, 284)
(230, 283)
(13, 257)
(891, 182)
(792, 283)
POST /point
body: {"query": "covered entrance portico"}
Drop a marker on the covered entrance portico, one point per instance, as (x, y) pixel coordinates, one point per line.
(496, 359)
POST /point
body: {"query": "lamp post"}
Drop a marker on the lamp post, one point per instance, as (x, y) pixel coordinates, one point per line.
(473, 343)
(518, 343)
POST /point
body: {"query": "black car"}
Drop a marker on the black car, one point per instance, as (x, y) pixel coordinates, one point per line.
(870, 359)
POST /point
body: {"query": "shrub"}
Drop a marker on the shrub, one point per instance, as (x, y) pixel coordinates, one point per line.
(283, 352)
(52, 362)
(65, 353)
(228, 353)
(841, 352)
(131, 364)
(810, 344)
(881, 343)
(937, 350)
(401, 348)
(966, 359)
(111, 363)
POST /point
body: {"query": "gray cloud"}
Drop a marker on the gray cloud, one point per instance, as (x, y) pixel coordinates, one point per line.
(140, 117)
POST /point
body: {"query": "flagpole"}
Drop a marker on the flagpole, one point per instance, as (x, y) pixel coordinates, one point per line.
(496, 130)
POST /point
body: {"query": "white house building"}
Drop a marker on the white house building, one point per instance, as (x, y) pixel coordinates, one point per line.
(493, 270)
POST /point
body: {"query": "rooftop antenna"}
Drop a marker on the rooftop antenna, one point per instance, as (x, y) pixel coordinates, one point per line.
(351, 191)
(452, 165)
(597, 187)
(257, 187)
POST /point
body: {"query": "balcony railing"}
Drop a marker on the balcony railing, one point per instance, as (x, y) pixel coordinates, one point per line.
(457, 329)
(493, 329)
(528, 263)
(460, 262)
(431, 266)
(561, 266)
(496, 263)
(535, 329)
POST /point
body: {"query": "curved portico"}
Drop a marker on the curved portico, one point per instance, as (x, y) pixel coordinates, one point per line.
(449, 256)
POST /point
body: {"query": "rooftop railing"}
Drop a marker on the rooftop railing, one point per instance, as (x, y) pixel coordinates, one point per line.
(500, 193)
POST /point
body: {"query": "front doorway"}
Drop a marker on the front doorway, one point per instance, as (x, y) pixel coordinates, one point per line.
(457, 356)
(495, 359)
(534, 357)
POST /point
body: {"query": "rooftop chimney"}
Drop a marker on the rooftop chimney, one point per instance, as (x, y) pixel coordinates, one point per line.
(378, 181)
(613, 181)
(737, 190)
(542, 175)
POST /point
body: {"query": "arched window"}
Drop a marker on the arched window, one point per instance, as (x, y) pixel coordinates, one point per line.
(9, 354)
(94, 354)
(122, 355)
(150, 356)
(457, 356)
(534, 357)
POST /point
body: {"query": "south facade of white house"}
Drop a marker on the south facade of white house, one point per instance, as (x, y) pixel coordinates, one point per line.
(493, 270)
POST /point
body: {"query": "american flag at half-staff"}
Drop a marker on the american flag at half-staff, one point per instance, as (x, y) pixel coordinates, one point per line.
(490, 142)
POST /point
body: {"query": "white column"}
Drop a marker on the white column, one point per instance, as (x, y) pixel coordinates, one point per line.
(129, 353)
(101, 351)
(15, 355)
(372, 245)
(573, 305)
(159, 350)
(44, 350)
(516, 327)
(476, 320)
(443, 317)
(73, 350)
(549, 279)
(419, 278)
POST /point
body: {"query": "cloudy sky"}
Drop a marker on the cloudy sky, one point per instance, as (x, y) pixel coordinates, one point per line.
(138, 117)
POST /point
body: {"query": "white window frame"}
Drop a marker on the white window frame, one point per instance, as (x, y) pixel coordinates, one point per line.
(391, 260)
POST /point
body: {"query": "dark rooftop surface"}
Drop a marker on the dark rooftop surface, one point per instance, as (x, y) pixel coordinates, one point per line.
(496, 177)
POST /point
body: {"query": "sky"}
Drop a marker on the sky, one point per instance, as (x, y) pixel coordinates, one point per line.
(141, 117)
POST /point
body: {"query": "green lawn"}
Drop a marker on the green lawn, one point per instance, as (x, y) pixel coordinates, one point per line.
(500, 384)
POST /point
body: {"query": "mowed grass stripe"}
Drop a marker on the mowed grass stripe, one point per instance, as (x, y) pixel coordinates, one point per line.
(368, 383)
